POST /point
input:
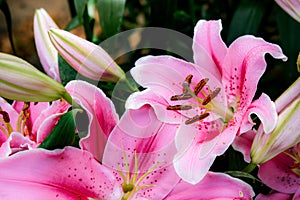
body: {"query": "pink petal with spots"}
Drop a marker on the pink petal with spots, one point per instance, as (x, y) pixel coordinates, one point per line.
(208, 46)
(15, 143)
(198, 145)
(164, 75)
(264, 109)
(276, 174)
(153, 141)
(61, 174)
(213, 186)
(274, 195)
(158, 103)
(243, 144)
(243, 66)
(101, 113)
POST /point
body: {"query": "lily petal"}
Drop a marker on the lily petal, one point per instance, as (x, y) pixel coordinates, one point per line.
(274, 195)
(197, 147)
(292, 7)
(15, 143)
(85, 57)
(264, 108)
(158, 103)
(101, 113)
(140, 132)
(65, 174)
(276, 174)
(208, 46)
(213, 186)
(46, 51)
(243, 66)
(164, 74)
(243, 144)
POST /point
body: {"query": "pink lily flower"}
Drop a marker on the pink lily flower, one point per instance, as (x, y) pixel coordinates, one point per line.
(25, 125)
(46, 51)
(102, 116)
(292, 7)
(211, 100)
(141, 148)
(126, 173)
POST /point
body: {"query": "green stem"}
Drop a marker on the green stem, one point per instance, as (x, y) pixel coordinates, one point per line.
(249, 168)
(132, 87)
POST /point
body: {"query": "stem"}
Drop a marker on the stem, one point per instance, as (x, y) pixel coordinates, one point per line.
(133, 88)
(249, 168)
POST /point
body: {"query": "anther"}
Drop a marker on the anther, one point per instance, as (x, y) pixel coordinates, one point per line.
(212, 95)
(181, 97)
(196, 118)
(186, 83)
(215, 92)
(5, 116)
(179, 107)
(200, 85)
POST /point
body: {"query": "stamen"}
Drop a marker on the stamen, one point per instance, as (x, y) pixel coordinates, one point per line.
(196, 118)
(215, 92)
(186, 83)
(6, 122)
(5, 116)
(179, 107)
(212, 95)
(200, 85)
(181, 97)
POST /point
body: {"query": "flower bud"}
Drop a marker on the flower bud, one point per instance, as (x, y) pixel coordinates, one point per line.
(85, 57)
(286, 134)
(46, 51)
(20, 81)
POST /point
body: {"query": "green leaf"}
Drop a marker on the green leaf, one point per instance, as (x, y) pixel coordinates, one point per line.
(246, 19)
(80, 7)
(63, 134)
(240, 174)
(5, 9)
(74, 23)
(110, 14)
(66, 72)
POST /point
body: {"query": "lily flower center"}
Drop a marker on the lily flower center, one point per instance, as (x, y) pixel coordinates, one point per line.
(205, 100)
(294, 153)
(132, 181)
(5, 124)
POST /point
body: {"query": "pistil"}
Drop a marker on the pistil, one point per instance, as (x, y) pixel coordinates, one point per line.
(131, 183)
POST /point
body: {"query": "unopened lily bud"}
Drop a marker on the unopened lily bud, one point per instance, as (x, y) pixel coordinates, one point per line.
(286, 134)
(46, 51)
(85, 57)
(20, 81)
